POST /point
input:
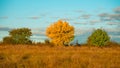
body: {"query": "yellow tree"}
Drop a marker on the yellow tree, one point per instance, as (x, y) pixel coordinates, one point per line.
(60, 33)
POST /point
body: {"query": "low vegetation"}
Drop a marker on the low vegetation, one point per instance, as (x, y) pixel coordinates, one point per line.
(18, 51)
(26, 56)
(98, 38)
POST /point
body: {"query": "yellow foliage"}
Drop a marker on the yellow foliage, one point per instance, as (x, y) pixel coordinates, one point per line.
(60, 32)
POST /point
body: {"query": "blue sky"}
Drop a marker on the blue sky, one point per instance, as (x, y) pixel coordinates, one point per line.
(84, 15)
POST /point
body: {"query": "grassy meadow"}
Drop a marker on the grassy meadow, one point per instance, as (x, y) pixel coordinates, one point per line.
(36, 56)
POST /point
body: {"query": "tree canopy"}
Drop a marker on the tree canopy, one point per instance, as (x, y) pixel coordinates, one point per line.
(98, 38)
(19, 36)
(60, 32)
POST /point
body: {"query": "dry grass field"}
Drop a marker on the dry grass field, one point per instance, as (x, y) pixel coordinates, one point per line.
(26, 56)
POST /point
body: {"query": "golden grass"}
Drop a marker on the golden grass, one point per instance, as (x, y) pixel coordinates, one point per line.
(26, 56)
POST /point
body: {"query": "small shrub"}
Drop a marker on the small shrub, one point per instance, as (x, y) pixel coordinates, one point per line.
(98, 38)
(47, 41)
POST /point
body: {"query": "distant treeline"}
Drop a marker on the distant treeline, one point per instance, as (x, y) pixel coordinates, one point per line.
(60, 34)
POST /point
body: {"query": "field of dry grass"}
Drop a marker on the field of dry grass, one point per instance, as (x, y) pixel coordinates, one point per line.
(26, 56)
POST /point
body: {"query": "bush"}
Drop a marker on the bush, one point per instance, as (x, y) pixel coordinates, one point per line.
(98, 38)
(47, 41)
(8, 40)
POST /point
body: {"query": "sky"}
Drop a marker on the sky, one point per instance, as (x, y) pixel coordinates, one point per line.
(84, 15)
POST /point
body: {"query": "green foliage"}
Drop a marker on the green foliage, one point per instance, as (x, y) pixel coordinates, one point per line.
(18, 36)
(8, 40)
(21, 33)
(98, 38)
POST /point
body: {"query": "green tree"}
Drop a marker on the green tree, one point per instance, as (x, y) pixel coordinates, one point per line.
(60, 32)
(19, 36)
(98, 38)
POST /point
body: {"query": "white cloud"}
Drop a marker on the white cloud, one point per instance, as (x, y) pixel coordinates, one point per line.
(103, 15)
(95, 21)
(112, 29)
(38, 31)
(4, 17)
(115, 36)
(113, 23)
(80, 31)
(83, 23)
(4, 28)
(34, 17)
(117, 10)
(86, 16)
